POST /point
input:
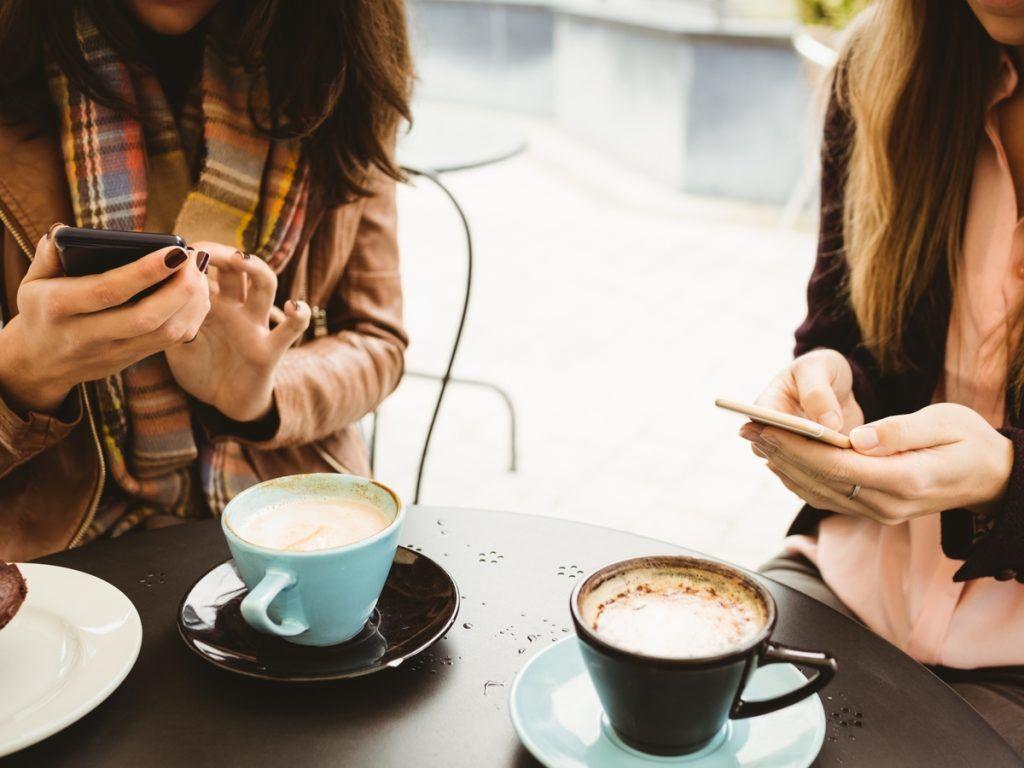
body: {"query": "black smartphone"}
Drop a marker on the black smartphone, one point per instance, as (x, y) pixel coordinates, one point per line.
(92, 251)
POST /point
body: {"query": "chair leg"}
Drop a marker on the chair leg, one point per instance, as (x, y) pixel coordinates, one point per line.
(433, 178)
(373, 441)
(513, 448)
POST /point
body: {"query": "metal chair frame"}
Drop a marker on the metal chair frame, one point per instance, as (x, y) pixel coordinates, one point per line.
(434, 177)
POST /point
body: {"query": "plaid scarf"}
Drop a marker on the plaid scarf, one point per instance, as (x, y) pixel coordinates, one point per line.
(251, 193)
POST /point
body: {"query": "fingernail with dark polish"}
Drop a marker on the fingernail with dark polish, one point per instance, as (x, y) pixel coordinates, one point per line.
(202, 260)
(53, 228)
(175, 258)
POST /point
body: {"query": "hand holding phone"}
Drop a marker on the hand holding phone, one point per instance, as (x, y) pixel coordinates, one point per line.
(75, 329)
(93, 251)
(786, 421)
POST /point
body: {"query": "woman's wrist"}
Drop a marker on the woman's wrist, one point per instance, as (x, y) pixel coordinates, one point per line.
(993, 490)
(254, 406)
(24, 383)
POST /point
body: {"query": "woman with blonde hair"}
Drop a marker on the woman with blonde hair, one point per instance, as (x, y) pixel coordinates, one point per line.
(912, 345)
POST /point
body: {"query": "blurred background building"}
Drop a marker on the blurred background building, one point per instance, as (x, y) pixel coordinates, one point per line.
(642, 248)
(706, 96)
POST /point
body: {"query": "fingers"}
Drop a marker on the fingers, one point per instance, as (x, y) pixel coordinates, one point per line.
(158, 312)
(46, 262)
(938, 424)
(807, 478)
(816, 376)
(94, 293)
(261, 282)
(828, 464)
(295, 322)
(816, 494)
(781, 395)
(232, 283)
(182, 327)
(876, 505)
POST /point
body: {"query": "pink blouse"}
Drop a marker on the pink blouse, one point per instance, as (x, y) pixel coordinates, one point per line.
(896, 578)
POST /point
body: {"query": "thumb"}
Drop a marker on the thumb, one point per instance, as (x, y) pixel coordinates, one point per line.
(295, 322)
(815, 377)
(46, 263)
(931, 426)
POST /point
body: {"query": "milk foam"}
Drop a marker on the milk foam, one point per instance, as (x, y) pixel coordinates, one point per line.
(677, 615)
(305, 525)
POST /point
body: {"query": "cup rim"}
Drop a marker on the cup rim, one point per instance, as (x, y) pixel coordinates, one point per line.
(590, 637)
(231, 533)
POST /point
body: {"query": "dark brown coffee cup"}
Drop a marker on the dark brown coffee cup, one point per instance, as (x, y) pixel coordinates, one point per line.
(674, 706)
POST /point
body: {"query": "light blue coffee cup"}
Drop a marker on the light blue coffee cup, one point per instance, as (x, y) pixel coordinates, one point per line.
(321, 597)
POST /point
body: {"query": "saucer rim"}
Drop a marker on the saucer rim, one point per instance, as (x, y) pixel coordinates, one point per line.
(301, 678)
(533, 748)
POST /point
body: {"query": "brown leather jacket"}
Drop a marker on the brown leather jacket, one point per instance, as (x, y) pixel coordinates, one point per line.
(52, 471)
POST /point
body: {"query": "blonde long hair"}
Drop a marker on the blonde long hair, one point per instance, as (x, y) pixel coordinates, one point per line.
(914, 79)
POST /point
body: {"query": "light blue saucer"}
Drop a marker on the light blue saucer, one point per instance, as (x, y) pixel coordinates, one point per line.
(558, 717)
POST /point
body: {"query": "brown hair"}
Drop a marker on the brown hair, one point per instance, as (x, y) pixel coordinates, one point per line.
(914, 80)
(339, 72)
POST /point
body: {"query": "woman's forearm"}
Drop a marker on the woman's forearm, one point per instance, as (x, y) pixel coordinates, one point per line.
(25, 383)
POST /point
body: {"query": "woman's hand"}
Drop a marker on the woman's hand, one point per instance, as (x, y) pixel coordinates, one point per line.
(74, 329)
(817, 386)
(231, 363)
(942, 457)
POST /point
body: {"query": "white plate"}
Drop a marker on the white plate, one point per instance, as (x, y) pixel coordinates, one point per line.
(74, 640)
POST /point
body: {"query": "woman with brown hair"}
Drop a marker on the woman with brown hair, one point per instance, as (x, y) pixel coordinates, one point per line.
(262, 132)
(912, 345)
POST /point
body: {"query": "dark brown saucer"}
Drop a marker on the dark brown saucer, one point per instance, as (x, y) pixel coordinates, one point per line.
(418, 605)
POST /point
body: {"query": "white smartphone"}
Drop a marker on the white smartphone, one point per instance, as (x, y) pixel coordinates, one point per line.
(786, 421)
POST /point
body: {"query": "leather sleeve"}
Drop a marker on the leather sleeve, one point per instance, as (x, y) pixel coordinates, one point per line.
(330, 382)
(23, 436)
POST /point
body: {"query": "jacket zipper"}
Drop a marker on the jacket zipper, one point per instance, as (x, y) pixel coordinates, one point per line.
(95, 502)
(19, 238)
(9, 224)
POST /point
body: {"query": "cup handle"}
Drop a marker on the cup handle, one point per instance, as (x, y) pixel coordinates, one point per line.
(776, 653)
(254, 605)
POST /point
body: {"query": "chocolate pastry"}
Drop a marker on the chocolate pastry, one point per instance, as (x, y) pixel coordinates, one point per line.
(12, 592)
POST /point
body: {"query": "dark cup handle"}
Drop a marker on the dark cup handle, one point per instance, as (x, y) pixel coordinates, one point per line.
(775, 653)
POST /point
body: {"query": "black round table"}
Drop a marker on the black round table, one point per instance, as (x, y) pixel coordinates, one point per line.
(449, 707)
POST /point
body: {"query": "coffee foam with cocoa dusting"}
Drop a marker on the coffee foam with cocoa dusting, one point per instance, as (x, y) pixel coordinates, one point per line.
(674, 613)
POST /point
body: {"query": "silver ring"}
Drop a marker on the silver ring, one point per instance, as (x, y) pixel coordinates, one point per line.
(854, 492)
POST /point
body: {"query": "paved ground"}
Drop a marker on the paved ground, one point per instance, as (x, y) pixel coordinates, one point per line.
(614, 311)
